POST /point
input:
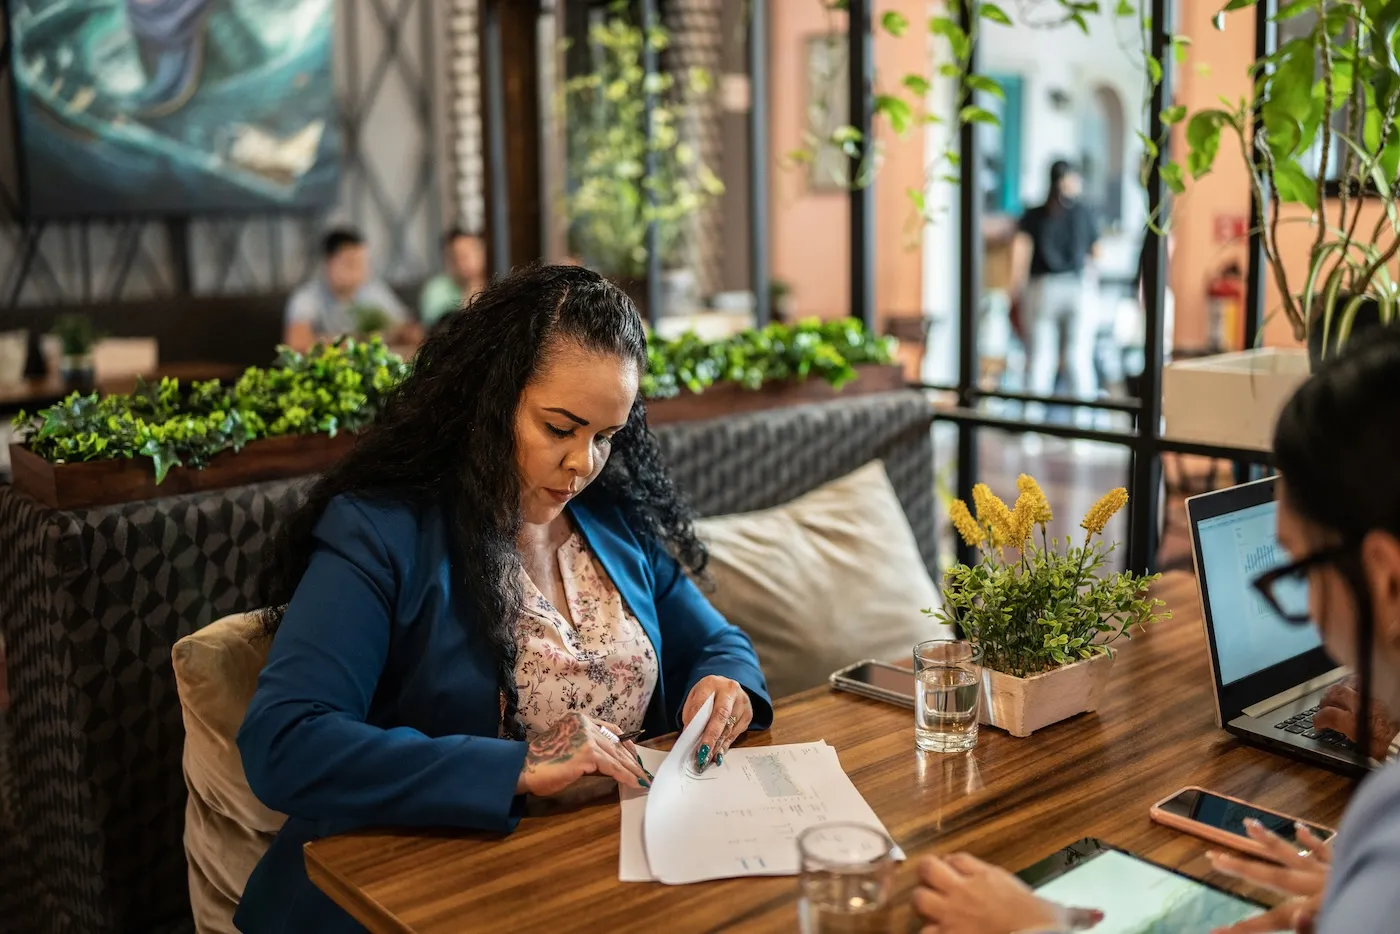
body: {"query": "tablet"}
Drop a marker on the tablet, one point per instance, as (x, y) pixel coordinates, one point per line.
(1136, 896)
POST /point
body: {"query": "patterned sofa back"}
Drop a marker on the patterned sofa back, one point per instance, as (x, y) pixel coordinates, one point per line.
(93, 600)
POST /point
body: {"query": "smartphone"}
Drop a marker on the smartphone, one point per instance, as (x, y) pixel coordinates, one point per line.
(878, 680)
(1220, 819)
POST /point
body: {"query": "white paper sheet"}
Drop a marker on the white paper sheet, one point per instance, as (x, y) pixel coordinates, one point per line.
(739, 819)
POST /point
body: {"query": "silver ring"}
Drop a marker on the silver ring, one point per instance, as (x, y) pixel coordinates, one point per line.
(610, 734)
(1304, 853)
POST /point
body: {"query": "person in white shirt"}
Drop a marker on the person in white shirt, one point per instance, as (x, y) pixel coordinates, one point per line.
(343, 295)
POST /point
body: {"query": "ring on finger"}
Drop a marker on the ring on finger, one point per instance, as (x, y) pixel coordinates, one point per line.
(731, 720)
(1305, 853)
(609, 734)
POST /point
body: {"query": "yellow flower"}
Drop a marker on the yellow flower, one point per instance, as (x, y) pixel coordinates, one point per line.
(1098, 515)
(1038, 503)
(992, 513)
(1022, 522)
(967, 526)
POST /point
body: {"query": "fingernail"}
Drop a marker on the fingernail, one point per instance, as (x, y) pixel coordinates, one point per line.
(1252, 822)
(650, 777)
(644, 783)
(719, 759)
(702, 756)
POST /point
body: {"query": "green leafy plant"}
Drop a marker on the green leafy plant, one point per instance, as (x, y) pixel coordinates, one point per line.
(1322, 108)
(829, 350)
(608, 149)
(1034, 607)
(900, 101)
(76, 333)
(370, 320)
(332, 388)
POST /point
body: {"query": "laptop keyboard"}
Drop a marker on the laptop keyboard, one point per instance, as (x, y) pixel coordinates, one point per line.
(1302, 725)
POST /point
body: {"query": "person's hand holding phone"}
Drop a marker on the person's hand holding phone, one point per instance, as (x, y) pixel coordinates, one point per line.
(1299, 870)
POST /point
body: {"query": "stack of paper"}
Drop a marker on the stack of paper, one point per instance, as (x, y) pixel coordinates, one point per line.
(738, 819)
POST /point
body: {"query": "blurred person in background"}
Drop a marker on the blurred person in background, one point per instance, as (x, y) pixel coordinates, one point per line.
(1050, 257)
(464, 257)
(345, 298)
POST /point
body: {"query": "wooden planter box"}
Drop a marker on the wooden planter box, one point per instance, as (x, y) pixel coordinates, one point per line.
(1020, 706)
(731, 398)
(1231, 399)
(102, 483)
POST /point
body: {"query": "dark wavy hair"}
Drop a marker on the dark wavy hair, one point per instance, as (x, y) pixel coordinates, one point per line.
(445, 432)
(1337, 457)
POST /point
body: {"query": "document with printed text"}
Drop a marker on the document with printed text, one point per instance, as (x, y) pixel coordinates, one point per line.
(738, 819)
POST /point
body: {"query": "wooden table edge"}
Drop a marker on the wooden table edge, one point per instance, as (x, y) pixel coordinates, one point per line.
(349, 897)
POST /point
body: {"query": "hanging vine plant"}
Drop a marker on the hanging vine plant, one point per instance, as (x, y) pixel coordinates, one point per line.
(902, 103)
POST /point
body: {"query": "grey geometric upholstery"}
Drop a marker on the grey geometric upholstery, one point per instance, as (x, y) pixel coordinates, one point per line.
(92, 601)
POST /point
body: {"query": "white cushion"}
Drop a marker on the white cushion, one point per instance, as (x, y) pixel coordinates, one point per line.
(831, 578)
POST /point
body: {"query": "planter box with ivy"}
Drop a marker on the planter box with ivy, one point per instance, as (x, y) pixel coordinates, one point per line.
(780, 365)
(295, 418)
(301, 415)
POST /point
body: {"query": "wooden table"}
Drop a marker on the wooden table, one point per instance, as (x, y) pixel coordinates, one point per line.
(1011, 802)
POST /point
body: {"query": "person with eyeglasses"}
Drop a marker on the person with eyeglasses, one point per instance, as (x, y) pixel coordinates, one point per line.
(1336, 448)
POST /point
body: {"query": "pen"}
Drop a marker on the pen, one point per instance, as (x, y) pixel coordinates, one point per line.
(631, 737)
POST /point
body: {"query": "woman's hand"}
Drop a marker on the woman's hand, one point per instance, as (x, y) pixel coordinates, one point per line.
(1341, 712)
(1298, 869)
(732, 715)
(963, 895)
(575, 747)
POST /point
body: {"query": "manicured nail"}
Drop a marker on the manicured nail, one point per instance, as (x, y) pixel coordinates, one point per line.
(1252, 822)
(719, 759)
(644, 783)
(702, 757)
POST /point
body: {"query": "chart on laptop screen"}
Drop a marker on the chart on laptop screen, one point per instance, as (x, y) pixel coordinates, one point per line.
(1249, 636)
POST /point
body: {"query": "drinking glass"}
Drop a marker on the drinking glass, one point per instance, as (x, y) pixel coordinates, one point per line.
(947, 694)
(846, 881)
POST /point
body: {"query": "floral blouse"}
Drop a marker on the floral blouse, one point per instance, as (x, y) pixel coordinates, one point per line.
(602, 664)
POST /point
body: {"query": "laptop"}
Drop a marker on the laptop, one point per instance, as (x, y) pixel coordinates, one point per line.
(1269, 674)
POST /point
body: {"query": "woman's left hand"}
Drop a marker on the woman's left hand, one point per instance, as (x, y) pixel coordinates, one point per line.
(731, 716)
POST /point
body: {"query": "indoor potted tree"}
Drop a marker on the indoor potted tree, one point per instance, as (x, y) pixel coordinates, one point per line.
(1320, 137)
(612, 198)
(1044, 614)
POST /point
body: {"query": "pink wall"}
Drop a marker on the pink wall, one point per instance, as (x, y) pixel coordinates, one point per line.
(810, 230)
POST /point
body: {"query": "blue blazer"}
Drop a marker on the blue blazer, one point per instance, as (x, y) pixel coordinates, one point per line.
(378, 705)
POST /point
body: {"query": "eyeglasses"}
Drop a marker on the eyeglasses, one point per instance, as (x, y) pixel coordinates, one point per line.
(1285, 588)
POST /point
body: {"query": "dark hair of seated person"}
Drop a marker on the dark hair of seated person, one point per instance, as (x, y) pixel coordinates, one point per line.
(338, 238)
(446, 432)
(1336, 449)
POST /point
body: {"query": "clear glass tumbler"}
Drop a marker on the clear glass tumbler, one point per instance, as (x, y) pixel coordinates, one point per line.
(847, 879)
(947, 695)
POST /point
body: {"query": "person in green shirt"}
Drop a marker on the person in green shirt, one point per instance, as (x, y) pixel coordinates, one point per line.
(464, 255)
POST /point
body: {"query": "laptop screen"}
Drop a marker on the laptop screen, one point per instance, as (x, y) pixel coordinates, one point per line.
(1249, 636)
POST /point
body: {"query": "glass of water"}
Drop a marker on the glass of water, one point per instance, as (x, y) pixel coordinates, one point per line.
(846, 881)
(947, 694)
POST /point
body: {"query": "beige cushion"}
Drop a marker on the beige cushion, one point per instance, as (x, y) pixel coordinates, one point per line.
(227, 829)
(828, 579)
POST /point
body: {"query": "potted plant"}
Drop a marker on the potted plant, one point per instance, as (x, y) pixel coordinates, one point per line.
(1319, 137)
(611, 197)
(1324, 117)
(1044, 614)
(370, 320)
(780, 300)
(76, 336)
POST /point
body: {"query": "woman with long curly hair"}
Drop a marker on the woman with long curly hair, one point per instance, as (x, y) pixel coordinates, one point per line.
(485, 595)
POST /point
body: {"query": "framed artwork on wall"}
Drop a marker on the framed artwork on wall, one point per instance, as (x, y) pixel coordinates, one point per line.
(179, 107)
(828, 107)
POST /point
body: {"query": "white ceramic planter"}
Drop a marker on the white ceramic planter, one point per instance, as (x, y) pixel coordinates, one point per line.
(1231, 399)
(1020, 706)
